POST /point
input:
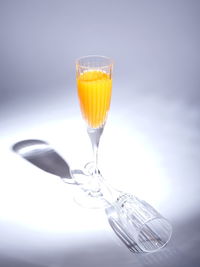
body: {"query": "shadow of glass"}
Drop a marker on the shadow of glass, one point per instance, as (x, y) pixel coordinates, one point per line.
(43, 156)
(120, 232)
(159, 258)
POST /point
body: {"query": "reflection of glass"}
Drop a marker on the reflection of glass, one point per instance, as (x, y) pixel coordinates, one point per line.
(94, 85)
(136, 223)
(142, 223)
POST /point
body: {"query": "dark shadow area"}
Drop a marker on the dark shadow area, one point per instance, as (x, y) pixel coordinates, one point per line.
(43, 156)
(15, 262)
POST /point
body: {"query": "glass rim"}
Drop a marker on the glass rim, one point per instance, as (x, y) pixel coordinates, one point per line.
(110, 61)
(166, 222)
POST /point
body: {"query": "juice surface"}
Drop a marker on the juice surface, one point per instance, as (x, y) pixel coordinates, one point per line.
(94, 91)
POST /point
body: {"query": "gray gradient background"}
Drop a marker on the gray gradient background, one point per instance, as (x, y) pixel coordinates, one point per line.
(152, 134)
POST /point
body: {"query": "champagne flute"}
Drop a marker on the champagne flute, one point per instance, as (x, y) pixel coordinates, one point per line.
(94, 86)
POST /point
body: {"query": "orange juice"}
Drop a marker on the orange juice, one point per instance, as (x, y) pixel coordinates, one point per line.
(94, 91)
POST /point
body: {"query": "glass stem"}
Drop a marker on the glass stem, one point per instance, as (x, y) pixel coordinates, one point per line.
(95, 156)
(95, 135)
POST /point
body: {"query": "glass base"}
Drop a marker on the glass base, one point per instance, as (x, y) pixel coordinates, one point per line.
(86, 200)
(90, 190)
(89, 168)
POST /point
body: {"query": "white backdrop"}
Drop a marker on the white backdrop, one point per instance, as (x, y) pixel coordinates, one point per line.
(150, 145)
